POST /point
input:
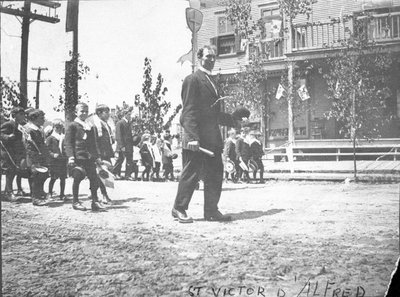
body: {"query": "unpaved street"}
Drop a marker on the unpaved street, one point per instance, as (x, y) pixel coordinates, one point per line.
(287, 239)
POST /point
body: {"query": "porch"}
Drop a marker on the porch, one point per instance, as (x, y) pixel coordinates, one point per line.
(386, 149)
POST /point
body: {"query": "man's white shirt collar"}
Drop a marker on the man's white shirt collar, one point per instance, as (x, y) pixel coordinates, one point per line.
(205, 70)
(33, 126)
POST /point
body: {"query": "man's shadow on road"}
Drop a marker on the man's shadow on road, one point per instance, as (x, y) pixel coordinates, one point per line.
(251, 214)
(254, 214)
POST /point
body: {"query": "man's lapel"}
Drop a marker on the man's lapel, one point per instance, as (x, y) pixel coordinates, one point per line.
(207, 82)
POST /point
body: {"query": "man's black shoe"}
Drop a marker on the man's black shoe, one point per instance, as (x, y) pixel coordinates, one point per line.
(98, 206)
(78, 206)
(181, 216)
(217, 217)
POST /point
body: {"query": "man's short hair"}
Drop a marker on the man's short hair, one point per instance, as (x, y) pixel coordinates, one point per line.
(58, 123)
(81, 104)
(102, 108)
(16, 110)
(201, 50)
(35, 114)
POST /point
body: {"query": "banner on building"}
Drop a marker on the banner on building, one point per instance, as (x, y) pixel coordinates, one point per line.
(303, 93)
(279, 92)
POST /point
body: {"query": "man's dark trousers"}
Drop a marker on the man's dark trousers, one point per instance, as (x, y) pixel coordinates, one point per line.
(211, 170)
(129, 163)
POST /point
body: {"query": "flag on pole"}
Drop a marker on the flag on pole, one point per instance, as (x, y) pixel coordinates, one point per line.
(279, 92)
(186, 57)
(303, 93)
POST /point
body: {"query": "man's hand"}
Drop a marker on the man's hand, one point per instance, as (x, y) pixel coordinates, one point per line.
(99, 162)
(122, 149)
(56, 156)
(193, 145)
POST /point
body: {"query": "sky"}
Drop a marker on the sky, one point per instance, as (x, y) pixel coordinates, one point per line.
(115, 36)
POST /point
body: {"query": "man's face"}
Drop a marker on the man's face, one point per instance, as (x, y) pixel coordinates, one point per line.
(105, 115)
(82, 112)
(39, 121)
(128, 116)
(20, 117)
(208, 59)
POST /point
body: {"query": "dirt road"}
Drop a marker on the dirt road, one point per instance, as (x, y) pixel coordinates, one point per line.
(287, 239)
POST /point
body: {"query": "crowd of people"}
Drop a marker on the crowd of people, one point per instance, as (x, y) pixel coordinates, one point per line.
(243, 154)
(86, 148)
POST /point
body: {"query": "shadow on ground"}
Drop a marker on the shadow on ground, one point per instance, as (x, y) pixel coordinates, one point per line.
(254, 214)
(122, 201)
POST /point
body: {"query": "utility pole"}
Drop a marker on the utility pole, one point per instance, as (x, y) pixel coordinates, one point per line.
(71, 67)
(28, 17)
(38, 81)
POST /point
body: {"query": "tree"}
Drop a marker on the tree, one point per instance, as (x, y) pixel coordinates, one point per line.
(246, 88)
(10, 96)
(152, 107)
(359, 78)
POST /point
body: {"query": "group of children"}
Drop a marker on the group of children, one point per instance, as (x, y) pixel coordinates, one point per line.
(85, 150)
(242, 155)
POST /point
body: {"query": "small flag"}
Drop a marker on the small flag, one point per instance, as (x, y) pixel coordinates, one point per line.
(276, 28)
(279, 92)
(185, 57)
(243, 44)
(303, 93)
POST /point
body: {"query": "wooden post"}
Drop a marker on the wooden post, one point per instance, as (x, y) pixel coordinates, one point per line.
(289, 149)
(23, 78)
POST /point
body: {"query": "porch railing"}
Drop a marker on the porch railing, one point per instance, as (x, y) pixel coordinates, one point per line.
(320, 34)
(382, 28)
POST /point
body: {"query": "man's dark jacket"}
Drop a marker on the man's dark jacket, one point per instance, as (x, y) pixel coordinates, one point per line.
(199, 119)
(123, 135)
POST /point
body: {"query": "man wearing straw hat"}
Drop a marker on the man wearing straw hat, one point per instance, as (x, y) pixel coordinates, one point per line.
(200, 120)
(12, 149)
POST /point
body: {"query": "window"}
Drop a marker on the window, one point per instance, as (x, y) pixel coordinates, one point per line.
(226, 41)
(224, 26)
(266, 12)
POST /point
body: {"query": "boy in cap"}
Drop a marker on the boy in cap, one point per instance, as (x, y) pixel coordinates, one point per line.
(37, 155)
(243, 154)
(230, 152)
(58, 161)
(104, 141)
(256, 153)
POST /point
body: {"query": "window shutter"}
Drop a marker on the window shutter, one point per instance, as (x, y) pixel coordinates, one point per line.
(214, 42)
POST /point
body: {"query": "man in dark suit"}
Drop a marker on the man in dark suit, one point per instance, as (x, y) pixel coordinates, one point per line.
(200, 119)
(123, 134)
(12, 149)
